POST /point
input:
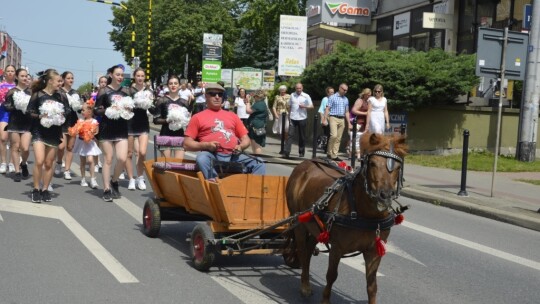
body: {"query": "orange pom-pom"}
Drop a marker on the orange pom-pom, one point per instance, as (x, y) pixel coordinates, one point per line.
(90, 102)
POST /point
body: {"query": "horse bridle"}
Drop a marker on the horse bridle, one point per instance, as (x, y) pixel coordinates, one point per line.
(391, 158)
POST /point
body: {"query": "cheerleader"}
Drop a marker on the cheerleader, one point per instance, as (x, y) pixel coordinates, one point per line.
(48, 109)
(5, 86)
(102, 82)
(85, 130)
(115, 107)
(66, 147)
(138, 129)
(19, 123)
(171, 112)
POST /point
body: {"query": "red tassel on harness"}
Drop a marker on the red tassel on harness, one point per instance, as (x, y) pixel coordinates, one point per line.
(399, 219)
(381, 246)
(305, 217)
(323, 237)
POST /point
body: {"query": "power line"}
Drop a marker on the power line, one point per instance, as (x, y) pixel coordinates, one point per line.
(56, 66)
(65, 45)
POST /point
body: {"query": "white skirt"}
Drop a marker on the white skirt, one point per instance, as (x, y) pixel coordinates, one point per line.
(86, 148)
(276, 127)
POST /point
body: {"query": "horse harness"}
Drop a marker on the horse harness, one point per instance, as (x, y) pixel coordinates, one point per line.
(344, 185)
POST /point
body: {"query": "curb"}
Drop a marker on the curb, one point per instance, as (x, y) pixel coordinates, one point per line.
(473, 208)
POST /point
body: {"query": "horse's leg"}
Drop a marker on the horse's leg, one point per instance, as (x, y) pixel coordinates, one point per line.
(306, 245)
(372, 261)
(331, 273)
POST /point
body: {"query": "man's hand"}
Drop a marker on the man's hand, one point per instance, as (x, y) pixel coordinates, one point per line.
(211, 146)
(237, 150)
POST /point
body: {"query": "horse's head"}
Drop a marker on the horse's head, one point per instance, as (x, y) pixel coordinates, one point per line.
(382, 167)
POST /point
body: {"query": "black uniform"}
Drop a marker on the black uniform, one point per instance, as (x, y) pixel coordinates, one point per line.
(139, 124)
(50, 136)
(160, 115)
(110, 129)
(19, 122)
(72, 118)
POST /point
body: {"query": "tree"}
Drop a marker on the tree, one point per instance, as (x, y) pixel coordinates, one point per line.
(410, 79)
(259, 39)
(177, 29)
(85, 88)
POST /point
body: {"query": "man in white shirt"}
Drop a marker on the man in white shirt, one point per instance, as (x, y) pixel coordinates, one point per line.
(185, 93)
(298, 105)
(200, 100)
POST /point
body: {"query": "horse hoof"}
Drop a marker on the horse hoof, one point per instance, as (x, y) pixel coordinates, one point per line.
(306, 292)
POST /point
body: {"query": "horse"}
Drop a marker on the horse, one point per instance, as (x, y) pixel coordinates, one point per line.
(352, 212)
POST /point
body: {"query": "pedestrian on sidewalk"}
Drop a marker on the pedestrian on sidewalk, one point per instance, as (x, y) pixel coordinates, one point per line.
(359, 111)
(325, 127)
(278, 108)
(377, 112)
(336, 116)
(258, 116)
(298, 105)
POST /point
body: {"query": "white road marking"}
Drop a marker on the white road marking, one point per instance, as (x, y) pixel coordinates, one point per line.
(243, 291)
(1, 218)
(95, 248)
(484, 249)
(392, 248)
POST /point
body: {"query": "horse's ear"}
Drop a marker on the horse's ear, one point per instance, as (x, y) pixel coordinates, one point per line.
(401, 146)
(374, 139)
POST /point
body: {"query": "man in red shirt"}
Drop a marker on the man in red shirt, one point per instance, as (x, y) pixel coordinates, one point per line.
(219, 135)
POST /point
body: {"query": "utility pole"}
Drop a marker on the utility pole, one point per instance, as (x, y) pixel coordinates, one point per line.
(528, 119)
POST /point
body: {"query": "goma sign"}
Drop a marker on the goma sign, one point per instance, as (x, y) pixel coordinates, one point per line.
(343, 8)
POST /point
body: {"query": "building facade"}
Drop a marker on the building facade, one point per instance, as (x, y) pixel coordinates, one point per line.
(13, 53)
(451, 25)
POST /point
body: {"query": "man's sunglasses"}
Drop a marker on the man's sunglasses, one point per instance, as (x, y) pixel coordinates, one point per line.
(220, 94)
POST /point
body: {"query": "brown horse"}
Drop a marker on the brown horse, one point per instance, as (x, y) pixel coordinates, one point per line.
(355, 208)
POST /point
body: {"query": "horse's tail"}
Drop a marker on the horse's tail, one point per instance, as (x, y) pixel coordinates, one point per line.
(290, 252)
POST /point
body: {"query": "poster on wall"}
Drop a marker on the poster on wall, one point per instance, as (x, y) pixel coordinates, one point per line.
(211, 64)
(269, 77)
(292, 45)
(248, 78)
(402, 24)
(226, 77)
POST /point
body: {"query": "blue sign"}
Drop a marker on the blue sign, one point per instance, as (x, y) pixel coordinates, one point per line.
(527, 14)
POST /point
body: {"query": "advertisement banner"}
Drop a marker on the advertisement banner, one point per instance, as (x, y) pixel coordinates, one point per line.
(248, 78)
(226, 77)
(269, 77)
(211, 71)
(211, 65)
(292, 45)
(402, 23)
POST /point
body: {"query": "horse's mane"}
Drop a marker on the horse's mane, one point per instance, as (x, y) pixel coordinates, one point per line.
(372, 142)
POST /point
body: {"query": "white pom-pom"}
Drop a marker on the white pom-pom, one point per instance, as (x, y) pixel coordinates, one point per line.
(143, 99)
(21, 100)
(121, 108)
(53, 112)
(74, 102)
(178, 117)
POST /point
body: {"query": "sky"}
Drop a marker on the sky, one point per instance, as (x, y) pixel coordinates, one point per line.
(79, 23)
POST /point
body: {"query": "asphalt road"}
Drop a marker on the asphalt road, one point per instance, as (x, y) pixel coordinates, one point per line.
(80, 249)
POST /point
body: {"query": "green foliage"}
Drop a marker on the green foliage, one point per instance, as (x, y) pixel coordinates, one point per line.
(177, 29)
(410, 79)
(85, 88)
(477, 161)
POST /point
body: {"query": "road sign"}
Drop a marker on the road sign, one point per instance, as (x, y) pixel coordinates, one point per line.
(489, 50)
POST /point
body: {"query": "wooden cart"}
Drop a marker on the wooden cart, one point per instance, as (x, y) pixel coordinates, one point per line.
(244, 213)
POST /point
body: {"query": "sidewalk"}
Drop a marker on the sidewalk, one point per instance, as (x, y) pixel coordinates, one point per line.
(514, 202)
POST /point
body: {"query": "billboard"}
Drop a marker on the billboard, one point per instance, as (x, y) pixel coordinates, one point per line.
(340, 11)
(292, 45)
(211, 63)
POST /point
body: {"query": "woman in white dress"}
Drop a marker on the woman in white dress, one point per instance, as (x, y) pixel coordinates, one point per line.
(240, 103)
(377, 120)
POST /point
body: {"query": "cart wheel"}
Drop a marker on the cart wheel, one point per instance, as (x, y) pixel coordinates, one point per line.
(290, 253)
(151, 218)
(203, 251)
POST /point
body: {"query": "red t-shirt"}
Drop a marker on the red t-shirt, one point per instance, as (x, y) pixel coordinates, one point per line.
(222, 126)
